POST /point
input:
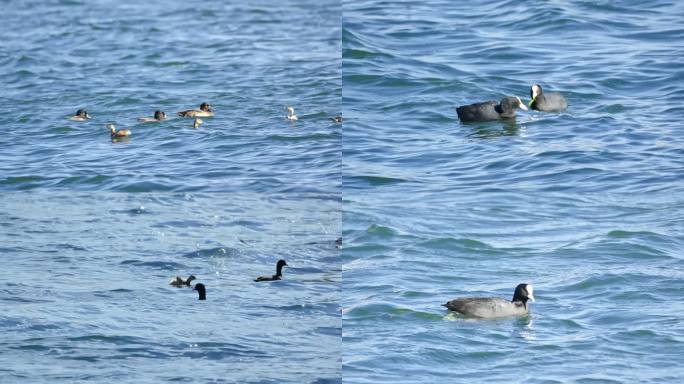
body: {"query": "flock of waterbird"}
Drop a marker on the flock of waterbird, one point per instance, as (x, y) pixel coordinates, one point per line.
(480, 307)
(201, 289)
(205, 110)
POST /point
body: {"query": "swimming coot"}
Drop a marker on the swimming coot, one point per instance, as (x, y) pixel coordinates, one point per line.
(546, 102)
(490, 110)
(490, 307)
(279, 272)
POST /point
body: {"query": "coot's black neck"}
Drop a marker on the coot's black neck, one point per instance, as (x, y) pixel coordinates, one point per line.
(518, 297)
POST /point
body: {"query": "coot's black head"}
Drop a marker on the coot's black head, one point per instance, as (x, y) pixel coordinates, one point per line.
(510, 104)
(159, 115)
(535, 91)
(205, 107)
(282, 263)
(82, 113)
(523, 292)
(201, 290)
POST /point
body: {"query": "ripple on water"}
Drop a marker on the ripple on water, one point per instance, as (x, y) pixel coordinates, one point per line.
(583, 204)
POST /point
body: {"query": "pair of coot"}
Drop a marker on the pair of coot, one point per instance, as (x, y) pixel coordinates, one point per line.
(505, 109)
(179, 282)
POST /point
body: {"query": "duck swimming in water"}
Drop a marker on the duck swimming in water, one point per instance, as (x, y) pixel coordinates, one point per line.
(196, 124)
(158, 116)
(546, 102)
(117, 134)
(279, 272)
(204, 111)
(291, 114)
(490, 110)
(491, 307)
(336, 119)
(201, 289)
(179, 282)
(81, 115)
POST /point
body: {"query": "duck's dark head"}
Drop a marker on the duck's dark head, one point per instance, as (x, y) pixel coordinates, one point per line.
(83, 113)
(201, 290)
(159, 115)
(535, 91)
(205, 107)
(523, 292)
(190, 278)
(279, 267)
(510, 104)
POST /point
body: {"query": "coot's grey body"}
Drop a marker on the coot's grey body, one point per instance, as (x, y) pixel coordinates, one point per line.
(490, 110)
(546, 102)
(492, 307)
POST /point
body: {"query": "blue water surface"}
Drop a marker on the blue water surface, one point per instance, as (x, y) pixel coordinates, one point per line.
(92, 230)
(586, 205)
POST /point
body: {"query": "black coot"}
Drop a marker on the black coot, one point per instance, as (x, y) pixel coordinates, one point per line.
(546, 102)
(490, 110)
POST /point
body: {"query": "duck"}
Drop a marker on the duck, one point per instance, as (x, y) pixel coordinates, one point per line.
(204, 111)
(158, 116)
(493, 307)
(336, 119)
(196, 124)
(202, 290)
(490, 110)
(117, 134)
(179, 282)
(546, 102)
(81, 115)
(291, 114)
(279, 272)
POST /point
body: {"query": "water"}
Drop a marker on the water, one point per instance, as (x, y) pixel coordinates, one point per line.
(86, 296)
(586, 205)
(120, 63)
(92, 231)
